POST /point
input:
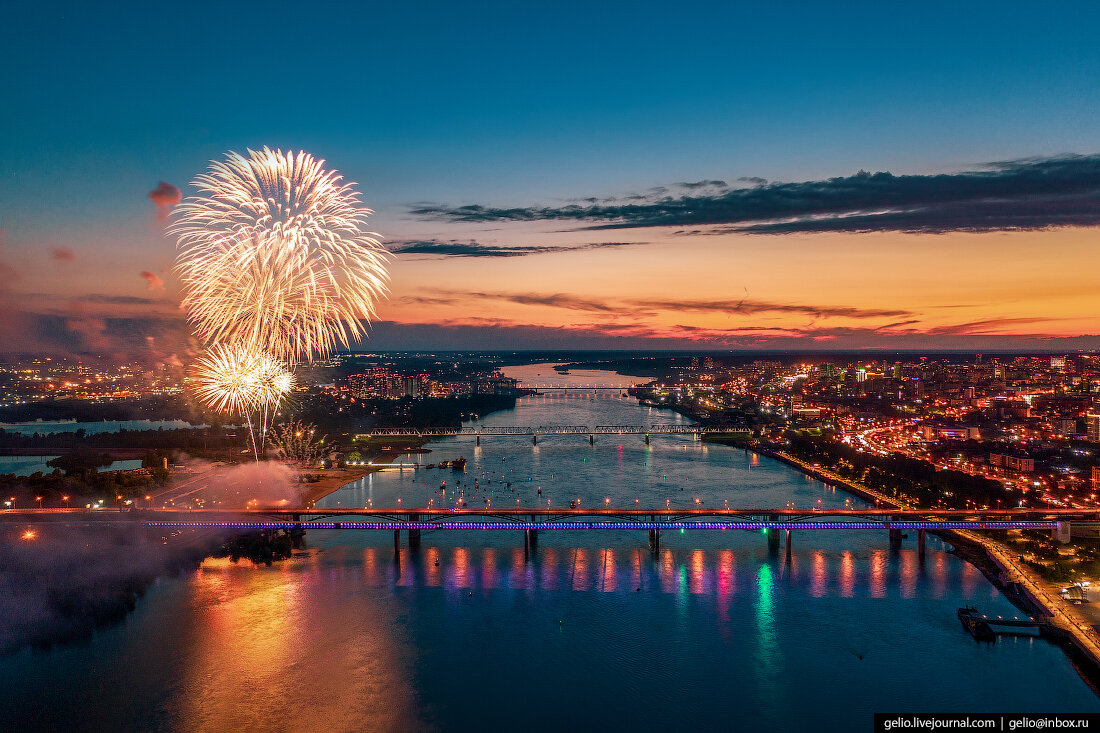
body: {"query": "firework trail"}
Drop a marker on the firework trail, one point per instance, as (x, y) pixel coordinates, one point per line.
(273, 254)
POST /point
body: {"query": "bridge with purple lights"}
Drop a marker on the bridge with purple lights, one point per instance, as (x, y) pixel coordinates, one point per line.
(531, 521)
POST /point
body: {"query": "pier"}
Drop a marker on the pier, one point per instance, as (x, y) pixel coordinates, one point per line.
(986, 628)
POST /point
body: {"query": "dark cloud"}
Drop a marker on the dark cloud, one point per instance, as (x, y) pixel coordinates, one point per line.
(704, 184)
(80, 332)
(1033, 193)
(14, 325)
(103, 299)
(62, 254)
(452, 248)
(165, 196)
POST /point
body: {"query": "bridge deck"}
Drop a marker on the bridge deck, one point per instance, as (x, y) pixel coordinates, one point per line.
(491, 430)
(896, 515)
(559, 519)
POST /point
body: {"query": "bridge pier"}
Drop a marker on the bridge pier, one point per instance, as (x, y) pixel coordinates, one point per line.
(895, 538)
(647, 438)
(414, 534)
(773, 541)
(396, 541)
(788, 553)
(592, 440)
(920, 543)
(1062, 532)
(477, 440)
(655, 540)
(534, 440)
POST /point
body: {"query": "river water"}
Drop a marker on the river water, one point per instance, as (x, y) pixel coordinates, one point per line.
(594, 631)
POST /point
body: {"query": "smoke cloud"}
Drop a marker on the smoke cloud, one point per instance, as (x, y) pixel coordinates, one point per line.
(152, 280)
(165, 196)
(58, 584)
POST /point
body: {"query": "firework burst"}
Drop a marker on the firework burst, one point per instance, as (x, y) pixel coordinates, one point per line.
(240, 380)
(231, 379)
(273, 254)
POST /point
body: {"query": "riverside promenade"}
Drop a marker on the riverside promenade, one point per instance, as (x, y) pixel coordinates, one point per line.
(1063, 616)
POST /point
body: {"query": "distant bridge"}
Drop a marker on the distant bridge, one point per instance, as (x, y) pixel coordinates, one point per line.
(594, 386)
(479, 431)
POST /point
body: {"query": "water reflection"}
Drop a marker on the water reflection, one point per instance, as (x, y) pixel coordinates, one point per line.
(242, 666)
(724, 573)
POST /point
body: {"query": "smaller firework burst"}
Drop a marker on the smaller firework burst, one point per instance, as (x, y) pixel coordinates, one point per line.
(298, 442)
(230, 379)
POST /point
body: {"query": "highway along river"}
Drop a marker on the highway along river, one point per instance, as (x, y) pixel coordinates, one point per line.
(593, 631)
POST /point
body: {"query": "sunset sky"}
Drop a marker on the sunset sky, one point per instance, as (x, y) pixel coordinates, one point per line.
(633, 175)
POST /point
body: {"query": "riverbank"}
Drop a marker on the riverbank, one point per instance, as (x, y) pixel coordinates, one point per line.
(1001, 566)
(334, 479)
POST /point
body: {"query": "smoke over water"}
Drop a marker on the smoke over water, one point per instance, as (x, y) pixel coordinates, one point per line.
(58, 583)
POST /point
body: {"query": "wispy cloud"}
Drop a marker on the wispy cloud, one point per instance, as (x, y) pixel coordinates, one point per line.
(635, 307)
(553, 300)
(504, 333)
(435, 248)
(749, 307)
(988, 326)
(1032, 193)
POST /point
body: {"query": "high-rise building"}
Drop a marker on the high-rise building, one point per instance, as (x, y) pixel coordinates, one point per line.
(1093, 422)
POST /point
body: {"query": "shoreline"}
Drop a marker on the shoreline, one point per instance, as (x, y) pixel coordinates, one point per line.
(1078, 638)
(332, 480)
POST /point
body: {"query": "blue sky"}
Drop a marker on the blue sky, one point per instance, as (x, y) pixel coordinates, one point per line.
(514, 104)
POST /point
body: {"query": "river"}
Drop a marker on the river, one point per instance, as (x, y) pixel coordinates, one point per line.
(592, 632)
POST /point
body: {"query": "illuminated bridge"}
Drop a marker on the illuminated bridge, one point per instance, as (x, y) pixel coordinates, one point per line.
(479, 431)
(772, 522)
(593, 386)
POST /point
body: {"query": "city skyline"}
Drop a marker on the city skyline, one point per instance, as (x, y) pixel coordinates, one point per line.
(545, 184)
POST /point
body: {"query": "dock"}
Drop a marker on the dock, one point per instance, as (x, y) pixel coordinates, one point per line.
(986, 628)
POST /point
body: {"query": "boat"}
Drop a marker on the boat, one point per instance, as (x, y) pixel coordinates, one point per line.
(975, 624)
(458, 464)
(444, 464)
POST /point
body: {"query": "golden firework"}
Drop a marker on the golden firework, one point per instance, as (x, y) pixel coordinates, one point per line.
(274, 255)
